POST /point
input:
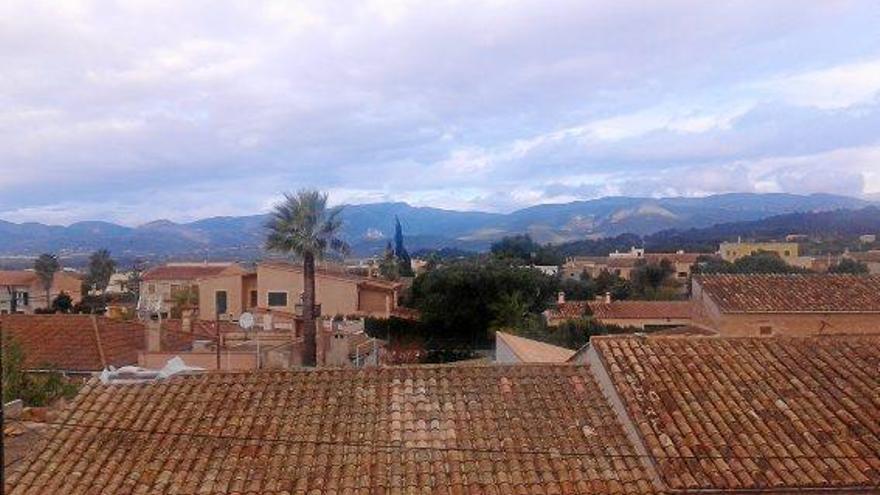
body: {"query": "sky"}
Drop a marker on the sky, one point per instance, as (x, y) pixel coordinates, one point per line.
(146, 109)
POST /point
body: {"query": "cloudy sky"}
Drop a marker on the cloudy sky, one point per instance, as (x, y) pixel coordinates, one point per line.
(140, 110)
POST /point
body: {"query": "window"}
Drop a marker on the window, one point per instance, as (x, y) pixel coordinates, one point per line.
(220, 302)
(787, 253)
(277, 298)
(253, 299)
(766, 330)
(151, 288)
(682, 274)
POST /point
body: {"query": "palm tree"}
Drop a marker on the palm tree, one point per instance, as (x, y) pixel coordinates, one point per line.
(302, 225)
(101, 268)
(45, 266)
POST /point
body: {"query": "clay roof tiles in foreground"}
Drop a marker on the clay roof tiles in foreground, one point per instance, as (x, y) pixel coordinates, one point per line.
(807, 293)
(642, 309)
(753, 413)
(433, 429)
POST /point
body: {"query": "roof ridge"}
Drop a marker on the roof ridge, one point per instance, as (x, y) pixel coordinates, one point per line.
(98, 341)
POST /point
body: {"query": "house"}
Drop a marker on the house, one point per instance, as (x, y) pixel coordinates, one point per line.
(408, 429)
(161, 284)
(680, 261)
(513, 349)
(871, 259)
(21, 291)
(622, 264)
(643, 415)
(647, 315)
(787, 304)
(278, 286)
(732, 251)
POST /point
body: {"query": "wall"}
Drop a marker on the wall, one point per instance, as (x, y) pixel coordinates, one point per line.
(208, 287)
(336, 296)
(731, 251)
(206, 360)
(643, 322)
(376, 302)
(801, 324)
(504, 354)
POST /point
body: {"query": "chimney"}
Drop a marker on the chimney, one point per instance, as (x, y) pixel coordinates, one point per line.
(186, 320)
(607, 297)
(154, 335)
(560, 297)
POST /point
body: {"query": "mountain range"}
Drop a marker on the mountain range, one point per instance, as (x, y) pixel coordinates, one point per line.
(368, 227)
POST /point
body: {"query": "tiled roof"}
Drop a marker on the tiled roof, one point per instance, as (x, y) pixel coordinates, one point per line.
(17, 277)
(533, 351)
(523, 429)
(642, 309)
(569, 310)
(814, 293)
(68, 342)
(683, 331)
(334, 273)
(185, 272)
(753, 413)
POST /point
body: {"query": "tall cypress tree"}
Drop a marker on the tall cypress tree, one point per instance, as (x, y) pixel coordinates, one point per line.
(403, 259)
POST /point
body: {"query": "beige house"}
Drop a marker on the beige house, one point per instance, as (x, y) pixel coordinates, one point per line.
(732, 251)
(623, 264)
(765, 305)
(277, 286)
(159, 285)
(21, 291)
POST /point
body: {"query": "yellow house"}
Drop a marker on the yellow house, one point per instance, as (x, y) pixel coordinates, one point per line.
(277, 286)
(732, 251)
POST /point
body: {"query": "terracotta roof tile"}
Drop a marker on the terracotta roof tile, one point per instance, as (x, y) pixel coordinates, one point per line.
(569, 310)
(185, 271)
(523, 429)
(17, 277)
(753, 413)
(68, 342)
(815, 293)
(642, 309)
(533, 351)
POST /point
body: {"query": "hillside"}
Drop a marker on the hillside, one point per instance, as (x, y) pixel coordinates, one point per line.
(368, 227)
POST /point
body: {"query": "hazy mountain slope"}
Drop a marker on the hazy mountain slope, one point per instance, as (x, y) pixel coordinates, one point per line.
(368, 227)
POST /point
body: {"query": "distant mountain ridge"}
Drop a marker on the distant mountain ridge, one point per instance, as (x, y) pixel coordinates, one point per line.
(368, 227)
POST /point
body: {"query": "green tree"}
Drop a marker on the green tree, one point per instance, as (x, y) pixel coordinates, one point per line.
(46, 266)
(760, 262)
(62, 303)
(403, 259)
(101, 267)
(647, 280)
(34, 390)
(612, 283)
(848, 265)
(304, 226)
(389, 268)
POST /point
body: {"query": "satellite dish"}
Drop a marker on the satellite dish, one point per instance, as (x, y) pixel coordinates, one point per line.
(246, 321)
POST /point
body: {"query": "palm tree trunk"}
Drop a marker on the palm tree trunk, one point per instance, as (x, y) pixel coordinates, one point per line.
(309, 324)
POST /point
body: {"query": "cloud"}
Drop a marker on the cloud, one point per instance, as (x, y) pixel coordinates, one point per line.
(134, 111)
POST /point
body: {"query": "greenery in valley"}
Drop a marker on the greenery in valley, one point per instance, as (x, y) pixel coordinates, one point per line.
(522, 250)
(760, 262)
(847, 265)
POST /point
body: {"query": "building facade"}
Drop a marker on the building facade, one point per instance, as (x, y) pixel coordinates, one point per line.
(21, 291)
(732, 251)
